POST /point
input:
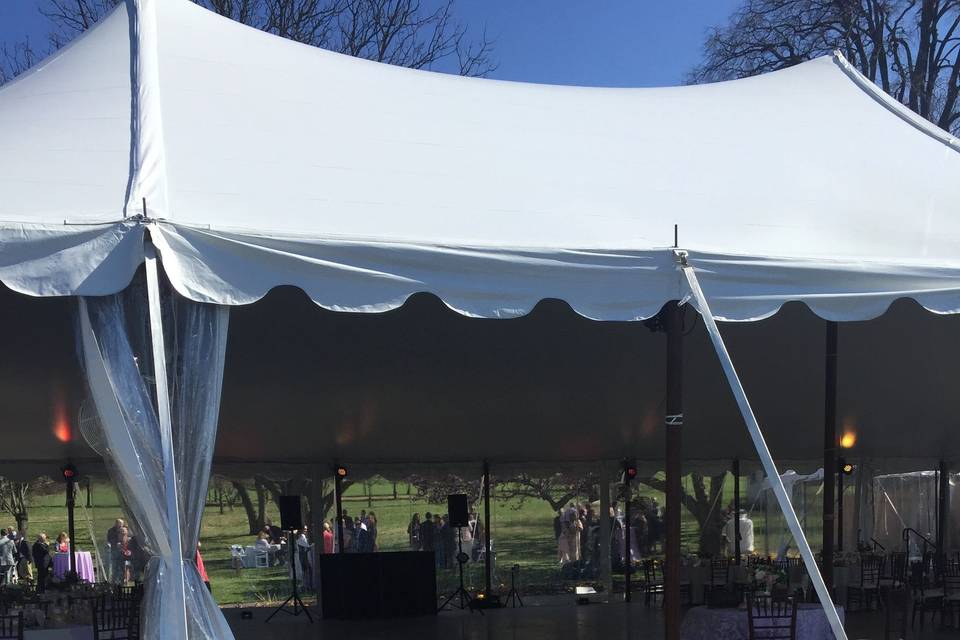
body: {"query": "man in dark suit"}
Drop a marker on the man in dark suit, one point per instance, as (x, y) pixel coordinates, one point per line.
(42, 560)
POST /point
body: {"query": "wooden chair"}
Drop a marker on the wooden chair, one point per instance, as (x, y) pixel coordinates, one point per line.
(926, 597)
(951, 596)
(11, 627)
(652, 581)
(116, 622)
(771, 619)
(898, 571)
(867, 590)
(719, 576)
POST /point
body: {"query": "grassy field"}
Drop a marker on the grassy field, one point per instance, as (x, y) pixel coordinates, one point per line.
(522, 534)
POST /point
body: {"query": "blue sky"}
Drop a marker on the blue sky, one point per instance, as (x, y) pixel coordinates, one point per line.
(603, 43)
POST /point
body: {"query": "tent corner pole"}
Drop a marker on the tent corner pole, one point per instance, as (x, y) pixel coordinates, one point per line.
(178, 627)
(763, 451)
(605, 529)
(673, 323)
(829, 449)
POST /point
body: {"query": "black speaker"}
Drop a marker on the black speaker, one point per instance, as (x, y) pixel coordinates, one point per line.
(290, 513)
(457, 510)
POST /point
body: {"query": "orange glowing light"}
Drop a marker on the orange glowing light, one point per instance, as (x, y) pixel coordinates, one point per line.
(848, 440)
(62, 430)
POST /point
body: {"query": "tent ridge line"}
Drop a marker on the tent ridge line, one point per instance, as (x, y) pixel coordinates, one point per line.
(896, 108)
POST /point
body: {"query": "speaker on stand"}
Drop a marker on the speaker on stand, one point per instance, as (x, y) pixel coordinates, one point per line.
(290, 521)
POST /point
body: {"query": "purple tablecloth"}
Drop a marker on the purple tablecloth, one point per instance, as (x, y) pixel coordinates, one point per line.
(701, 623)
(61, 564)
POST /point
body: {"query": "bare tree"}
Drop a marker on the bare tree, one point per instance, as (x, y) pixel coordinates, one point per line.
(704, 504)
(399, 32)
(910, 48)
(13, 500)
(557, 490)
(16, 58)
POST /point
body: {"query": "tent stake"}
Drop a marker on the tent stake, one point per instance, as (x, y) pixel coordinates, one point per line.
(674, 425)
(766, 458)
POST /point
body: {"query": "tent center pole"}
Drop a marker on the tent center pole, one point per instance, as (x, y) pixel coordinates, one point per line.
(736, 510)
(673, 323)
(829, 449)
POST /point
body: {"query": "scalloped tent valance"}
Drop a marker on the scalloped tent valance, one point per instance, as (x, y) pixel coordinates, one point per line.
(257, 162)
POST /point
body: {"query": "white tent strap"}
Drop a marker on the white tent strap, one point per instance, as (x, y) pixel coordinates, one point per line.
(178, 626)
(761, 446)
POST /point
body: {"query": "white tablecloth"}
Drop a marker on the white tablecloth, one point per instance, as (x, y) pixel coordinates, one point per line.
(702, 623)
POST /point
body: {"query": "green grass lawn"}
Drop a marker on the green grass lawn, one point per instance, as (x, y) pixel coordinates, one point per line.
(522, 534)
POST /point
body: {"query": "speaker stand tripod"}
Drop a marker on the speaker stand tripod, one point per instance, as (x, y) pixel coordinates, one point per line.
(513, 596)
(461, 592)
(297, 607)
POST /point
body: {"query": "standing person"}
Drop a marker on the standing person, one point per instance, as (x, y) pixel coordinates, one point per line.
(428, 533)
(304, 566)
(25, 557)
(202, 570)
(413, 532)
(348, 532)
(42, 560)
(372, 532)
(441, 541)
(450, 543)
(63, 543)
(113, 542)
(8, 561)
(125, 565)
(327, 537)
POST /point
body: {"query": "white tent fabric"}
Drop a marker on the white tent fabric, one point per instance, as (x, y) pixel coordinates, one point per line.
(262, 162)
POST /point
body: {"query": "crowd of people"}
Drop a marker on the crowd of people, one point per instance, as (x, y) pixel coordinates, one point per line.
(577, 527)
(360, 533)
(435, 533)
(19, 559)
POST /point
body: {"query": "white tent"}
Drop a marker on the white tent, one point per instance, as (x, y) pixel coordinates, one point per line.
(254, 163)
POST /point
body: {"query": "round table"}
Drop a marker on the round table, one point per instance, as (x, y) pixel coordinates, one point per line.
(61, 565)
(703, 623)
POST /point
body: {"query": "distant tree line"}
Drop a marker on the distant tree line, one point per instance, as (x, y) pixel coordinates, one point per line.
(399, 32)
(909, 48)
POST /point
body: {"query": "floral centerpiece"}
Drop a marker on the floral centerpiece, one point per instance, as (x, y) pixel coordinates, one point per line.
(771, 576)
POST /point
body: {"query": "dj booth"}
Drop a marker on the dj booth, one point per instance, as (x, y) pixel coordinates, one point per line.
(378, 585)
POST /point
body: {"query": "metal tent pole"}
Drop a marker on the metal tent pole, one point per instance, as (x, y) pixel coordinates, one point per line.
(673, 323)
(761, 446)
(943, 508)
(829, 449)
(177, 625)
(736, 509)
(487, 560)
(605, 530)
(338, 497)
(627, 543)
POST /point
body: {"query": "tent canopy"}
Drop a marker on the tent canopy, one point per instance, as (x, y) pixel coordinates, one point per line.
(256, 163)
(262, 162)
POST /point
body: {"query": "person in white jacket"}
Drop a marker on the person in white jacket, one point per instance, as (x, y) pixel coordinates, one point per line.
(745, 525)
(8, 559)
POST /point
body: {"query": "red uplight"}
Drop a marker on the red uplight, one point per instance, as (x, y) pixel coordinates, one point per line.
(62, 430)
